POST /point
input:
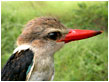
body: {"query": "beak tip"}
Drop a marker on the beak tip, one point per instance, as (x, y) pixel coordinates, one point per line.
(98, 32)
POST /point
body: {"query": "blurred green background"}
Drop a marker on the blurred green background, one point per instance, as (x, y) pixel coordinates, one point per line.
(84, 60)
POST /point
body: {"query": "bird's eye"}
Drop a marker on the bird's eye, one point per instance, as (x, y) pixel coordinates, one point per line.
(54, 35)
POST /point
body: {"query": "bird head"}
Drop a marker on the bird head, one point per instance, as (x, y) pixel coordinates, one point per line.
(50, 35)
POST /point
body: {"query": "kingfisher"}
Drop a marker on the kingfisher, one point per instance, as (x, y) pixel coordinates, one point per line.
(33, 59)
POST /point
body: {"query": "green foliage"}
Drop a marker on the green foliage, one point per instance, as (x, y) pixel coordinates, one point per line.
(84, 60)
(80, 60)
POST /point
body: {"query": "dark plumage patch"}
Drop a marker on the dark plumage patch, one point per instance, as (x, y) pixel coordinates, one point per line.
(17, 66)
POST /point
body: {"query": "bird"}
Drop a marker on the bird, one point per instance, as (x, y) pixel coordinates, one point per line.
(33, 58)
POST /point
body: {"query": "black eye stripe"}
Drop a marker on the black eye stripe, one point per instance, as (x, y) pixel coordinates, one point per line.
(54, 35)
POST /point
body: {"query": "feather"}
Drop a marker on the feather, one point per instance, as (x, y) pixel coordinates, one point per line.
(18, 65)
(29, 68)
(29, 71)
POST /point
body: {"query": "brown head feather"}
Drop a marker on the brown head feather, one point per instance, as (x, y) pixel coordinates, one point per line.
(36, 27)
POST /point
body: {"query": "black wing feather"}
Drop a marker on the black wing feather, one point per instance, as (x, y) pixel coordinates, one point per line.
(17, 66)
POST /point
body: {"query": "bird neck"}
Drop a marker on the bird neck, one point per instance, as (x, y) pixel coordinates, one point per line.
(43, 59)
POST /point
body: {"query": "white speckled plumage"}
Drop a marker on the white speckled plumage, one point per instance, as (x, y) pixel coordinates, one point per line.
(21, 47)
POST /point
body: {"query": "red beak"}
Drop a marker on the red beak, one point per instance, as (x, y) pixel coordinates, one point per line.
(77, 34)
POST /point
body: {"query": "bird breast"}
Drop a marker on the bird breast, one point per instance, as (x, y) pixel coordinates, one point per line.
(43, 69)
